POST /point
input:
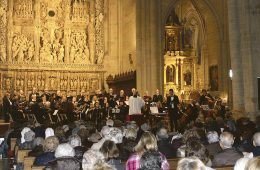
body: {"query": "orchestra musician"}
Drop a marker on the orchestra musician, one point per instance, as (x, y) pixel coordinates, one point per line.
(111, 98)
(205, 98)
(172, 104)
(157, 97)
(122, 96)
(34, 93)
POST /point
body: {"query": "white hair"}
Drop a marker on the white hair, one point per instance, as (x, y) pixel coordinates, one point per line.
(241, 163)
(226, 140)
(49, 132)
(64, 150)
(130, 133)
(256, 139)
(26, 129)
(212, 137)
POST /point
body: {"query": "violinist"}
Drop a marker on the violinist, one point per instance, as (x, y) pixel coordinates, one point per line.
(205, 98)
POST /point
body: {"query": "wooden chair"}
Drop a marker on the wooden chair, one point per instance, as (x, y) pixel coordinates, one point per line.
(13, 142)
(38, 167)
(28, 162)
(173, 163)
(21, 154)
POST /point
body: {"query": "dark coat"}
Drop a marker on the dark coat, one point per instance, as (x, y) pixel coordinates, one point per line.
(126, 148)
(226, 157)
(79, 152)
(64, 163)
(256, 151)
(44, 159)
(213, 149)
(164, 147)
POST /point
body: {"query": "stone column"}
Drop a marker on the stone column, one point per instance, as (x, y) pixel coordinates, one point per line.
(234, 39)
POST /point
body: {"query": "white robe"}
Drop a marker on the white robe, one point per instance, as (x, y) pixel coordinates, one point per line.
(135, 105)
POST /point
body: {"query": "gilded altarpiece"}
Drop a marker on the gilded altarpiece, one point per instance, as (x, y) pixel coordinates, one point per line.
(180, 59)
(53, 45)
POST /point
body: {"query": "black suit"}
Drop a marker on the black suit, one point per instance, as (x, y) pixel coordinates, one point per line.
(158, 98)
(7, 108)
(172, 104)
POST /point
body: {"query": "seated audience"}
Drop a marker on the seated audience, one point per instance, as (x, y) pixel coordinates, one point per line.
(151, 160)
(241, 163)
(129, 142)
(256, 142)
(28, 143)
(146, 143)
(213, 146)
(253, 164)
(191, 163)
(49, 147)
(49, 132)
(37, 147)
(196, 148)
(229, 155)
(163, 143)
(75, 142)
(91, 158)
(111, 154)
(65, 160)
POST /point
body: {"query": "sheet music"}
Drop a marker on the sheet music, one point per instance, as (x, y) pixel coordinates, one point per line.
(55, 112)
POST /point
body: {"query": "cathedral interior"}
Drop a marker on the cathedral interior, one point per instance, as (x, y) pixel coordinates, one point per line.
(185, 45)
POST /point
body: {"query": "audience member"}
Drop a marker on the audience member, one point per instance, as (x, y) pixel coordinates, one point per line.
(229, 155)
(163, 143)
(253, 164)
(191, 163)
(75, 142)
(256, 142)
(37, 147)
(91, 158)
(213, 146)
(49, 147)
(147, 142)
(128, 144)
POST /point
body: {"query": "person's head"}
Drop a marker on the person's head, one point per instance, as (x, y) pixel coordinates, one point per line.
(162, 133)
(151, 160)
(26, 129)
(189, 163)
(253, 164)
(226, 140)
(130, 133)
(91, 158)
(34, 90)
(110, 91)
(74, 141)
(29, 136)
(39, 141)
(103, 166)
(109, 150)
(110, 123)
(241, 163)
(147, 142)
(134, 91)
(212, 137)
(204, 92)
(122, 92)
(189, 134)
(64, 150)
(157, 91)
(50, 144)
(196, 148)
(256, 139)
(171, 92)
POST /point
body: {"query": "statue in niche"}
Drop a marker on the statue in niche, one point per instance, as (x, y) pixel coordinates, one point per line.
(18, 82)
(187, 78)
(30, 51)
(45, 50)
(61, 54)
(8, 83)
(100, 57)
(171, 42)
(170, 73)
(2, 53)
(39, 81)
(22, 82)
(52, 83)
(29, 83)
